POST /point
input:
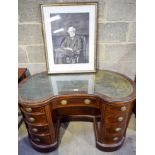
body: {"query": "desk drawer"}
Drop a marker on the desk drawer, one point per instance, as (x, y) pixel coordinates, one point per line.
(36, 119)
(115, 118)
(75, 101)
(45, 140)
(26, 109)
(112, 139)
(114, 129)
(117, 108)
(38, 129)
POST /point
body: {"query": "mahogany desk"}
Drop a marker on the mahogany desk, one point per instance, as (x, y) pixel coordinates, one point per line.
(106, 98)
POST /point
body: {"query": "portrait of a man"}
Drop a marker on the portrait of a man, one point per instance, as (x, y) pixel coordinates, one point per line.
(71, 38)
(71, 48)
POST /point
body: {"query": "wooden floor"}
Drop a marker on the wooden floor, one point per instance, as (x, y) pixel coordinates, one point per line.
(77, 138)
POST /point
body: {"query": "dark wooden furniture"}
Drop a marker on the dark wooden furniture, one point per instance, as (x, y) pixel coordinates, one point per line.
(21, 75)
(106, 98)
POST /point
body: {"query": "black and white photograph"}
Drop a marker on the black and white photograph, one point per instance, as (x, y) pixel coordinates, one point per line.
(70, 37)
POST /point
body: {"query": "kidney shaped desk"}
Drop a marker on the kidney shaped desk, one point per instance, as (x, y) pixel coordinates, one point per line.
(106, 98)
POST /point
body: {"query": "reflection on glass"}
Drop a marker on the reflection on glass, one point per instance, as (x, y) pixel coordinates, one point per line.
(59, 30)
(54, 18)
(36, 88)
(103, 82)
(112, 85)
(72, 83)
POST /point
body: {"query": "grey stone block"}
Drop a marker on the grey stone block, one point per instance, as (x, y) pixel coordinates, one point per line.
(30, 34)
(36, 54)
(129, 68)
(131, 77)
(112, 32)
(30, 11)
(120, 52)
(33, 67)
(22, 58)
(132, 35)
(120, 10)
(22, 65)
(100, 53)
(36, 68)
(101, 6)
(117, 67)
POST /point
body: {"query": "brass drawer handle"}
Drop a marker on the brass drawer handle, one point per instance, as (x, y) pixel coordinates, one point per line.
(63, 102)
(34, 129)
(115, 139)
(87, 101)
(28, 109)
(118, 129)
(31, 119)
(120, 119)
(36, 139)
(123, 108)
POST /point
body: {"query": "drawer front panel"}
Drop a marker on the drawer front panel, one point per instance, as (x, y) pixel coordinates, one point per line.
(33, 110)
(75, 101)
(114, 138)
(38, 129)
(44, 140)
(114, 129)
(36, 119)
(117, 108)
(115, 118)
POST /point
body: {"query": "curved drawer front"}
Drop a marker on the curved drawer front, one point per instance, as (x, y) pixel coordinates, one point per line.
(113, 138)
(30, 109)
(115, 118)
(75, 101)
(123, 108)
(38, 129)
(36, 119)
(115, 128)
(44, 140)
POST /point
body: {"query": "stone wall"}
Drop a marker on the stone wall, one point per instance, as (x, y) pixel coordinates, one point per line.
(116, 48)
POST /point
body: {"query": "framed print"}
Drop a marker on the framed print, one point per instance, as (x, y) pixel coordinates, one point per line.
(70, 37)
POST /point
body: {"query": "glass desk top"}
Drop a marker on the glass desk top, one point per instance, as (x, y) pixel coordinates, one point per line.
(110, 84)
